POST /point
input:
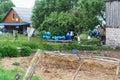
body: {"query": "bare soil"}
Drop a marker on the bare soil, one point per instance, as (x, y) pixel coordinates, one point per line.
(62, 67)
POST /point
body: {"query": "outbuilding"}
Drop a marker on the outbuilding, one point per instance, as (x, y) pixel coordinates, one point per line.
(113, 22)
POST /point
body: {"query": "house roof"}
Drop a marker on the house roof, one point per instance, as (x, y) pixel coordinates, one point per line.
(24, 13)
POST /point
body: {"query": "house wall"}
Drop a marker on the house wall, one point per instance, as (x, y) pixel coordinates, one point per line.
(113, 23)
(113, 36)
(8, 17)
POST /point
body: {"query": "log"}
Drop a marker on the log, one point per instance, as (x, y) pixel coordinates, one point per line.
(33, 64)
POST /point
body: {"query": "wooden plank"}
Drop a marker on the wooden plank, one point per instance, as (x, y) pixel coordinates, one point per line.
(113, 14)
(117, 71)
(33, 64)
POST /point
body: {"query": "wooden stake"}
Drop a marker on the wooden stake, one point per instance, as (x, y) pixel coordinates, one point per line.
(74, 77)
(33, 64)
(17, 76)
(117, 71)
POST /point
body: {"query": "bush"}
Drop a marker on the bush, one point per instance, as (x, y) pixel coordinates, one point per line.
(32, 45)
(9, 50)
(104, 48)
(117, 48)
(26, 51)
(0, 55)
(46, 46)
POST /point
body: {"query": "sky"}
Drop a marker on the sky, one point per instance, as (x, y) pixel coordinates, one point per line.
(24, 3)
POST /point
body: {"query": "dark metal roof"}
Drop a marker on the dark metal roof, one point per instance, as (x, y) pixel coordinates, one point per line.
(14, 24)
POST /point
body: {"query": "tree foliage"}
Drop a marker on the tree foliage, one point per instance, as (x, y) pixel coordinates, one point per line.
(43, 9)
(55, 15)
(89, 10)
(5, 5)
(59, 23)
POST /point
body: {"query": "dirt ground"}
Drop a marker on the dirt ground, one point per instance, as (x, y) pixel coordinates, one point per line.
(62, 67)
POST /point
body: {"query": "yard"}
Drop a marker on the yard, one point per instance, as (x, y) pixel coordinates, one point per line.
(55, 66)
(59, 62)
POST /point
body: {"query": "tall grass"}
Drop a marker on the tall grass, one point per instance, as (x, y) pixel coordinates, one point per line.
(19, 42)
(6, 74)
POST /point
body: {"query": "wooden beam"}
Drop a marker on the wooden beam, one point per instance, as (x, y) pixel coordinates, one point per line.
(31, 69)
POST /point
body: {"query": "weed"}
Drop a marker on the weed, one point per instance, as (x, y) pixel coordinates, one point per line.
(16, 63)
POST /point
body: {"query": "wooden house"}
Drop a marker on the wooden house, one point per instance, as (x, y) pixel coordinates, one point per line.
(17, 19)
(113, 22)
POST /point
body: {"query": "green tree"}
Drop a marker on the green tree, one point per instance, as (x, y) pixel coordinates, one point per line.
(59, 23)
(5, 5)
(43, 9)
(89, 10)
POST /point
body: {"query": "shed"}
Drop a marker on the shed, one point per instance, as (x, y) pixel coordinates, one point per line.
(112, 22)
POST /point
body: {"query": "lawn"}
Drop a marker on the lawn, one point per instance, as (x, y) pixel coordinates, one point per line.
(35, 43)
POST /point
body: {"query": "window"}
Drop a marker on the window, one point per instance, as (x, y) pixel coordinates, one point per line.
(13, 16)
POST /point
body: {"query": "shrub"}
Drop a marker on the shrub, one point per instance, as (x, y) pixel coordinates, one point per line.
(104, 48)
(0, 55)
(46, 46)
(26, 51)
(117, 48)
(32, 45)
(9, 50)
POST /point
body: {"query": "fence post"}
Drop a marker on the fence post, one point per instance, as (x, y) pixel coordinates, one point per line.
(33, 64)
(117, 71)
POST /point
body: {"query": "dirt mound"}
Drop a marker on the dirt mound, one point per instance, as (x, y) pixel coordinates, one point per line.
(73, 62)
(59, 66)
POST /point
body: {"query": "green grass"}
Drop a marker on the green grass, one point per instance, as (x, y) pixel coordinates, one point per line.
(6, 74)
(38, 43)
(8, 39)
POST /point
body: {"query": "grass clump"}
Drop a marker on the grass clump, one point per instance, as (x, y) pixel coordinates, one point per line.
(96, 52)
(16, 63)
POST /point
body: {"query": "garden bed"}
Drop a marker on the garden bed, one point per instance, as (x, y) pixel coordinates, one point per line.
(62, 65)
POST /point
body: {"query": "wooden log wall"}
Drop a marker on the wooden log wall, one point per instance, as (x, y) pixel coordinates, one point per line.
(113, 14)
